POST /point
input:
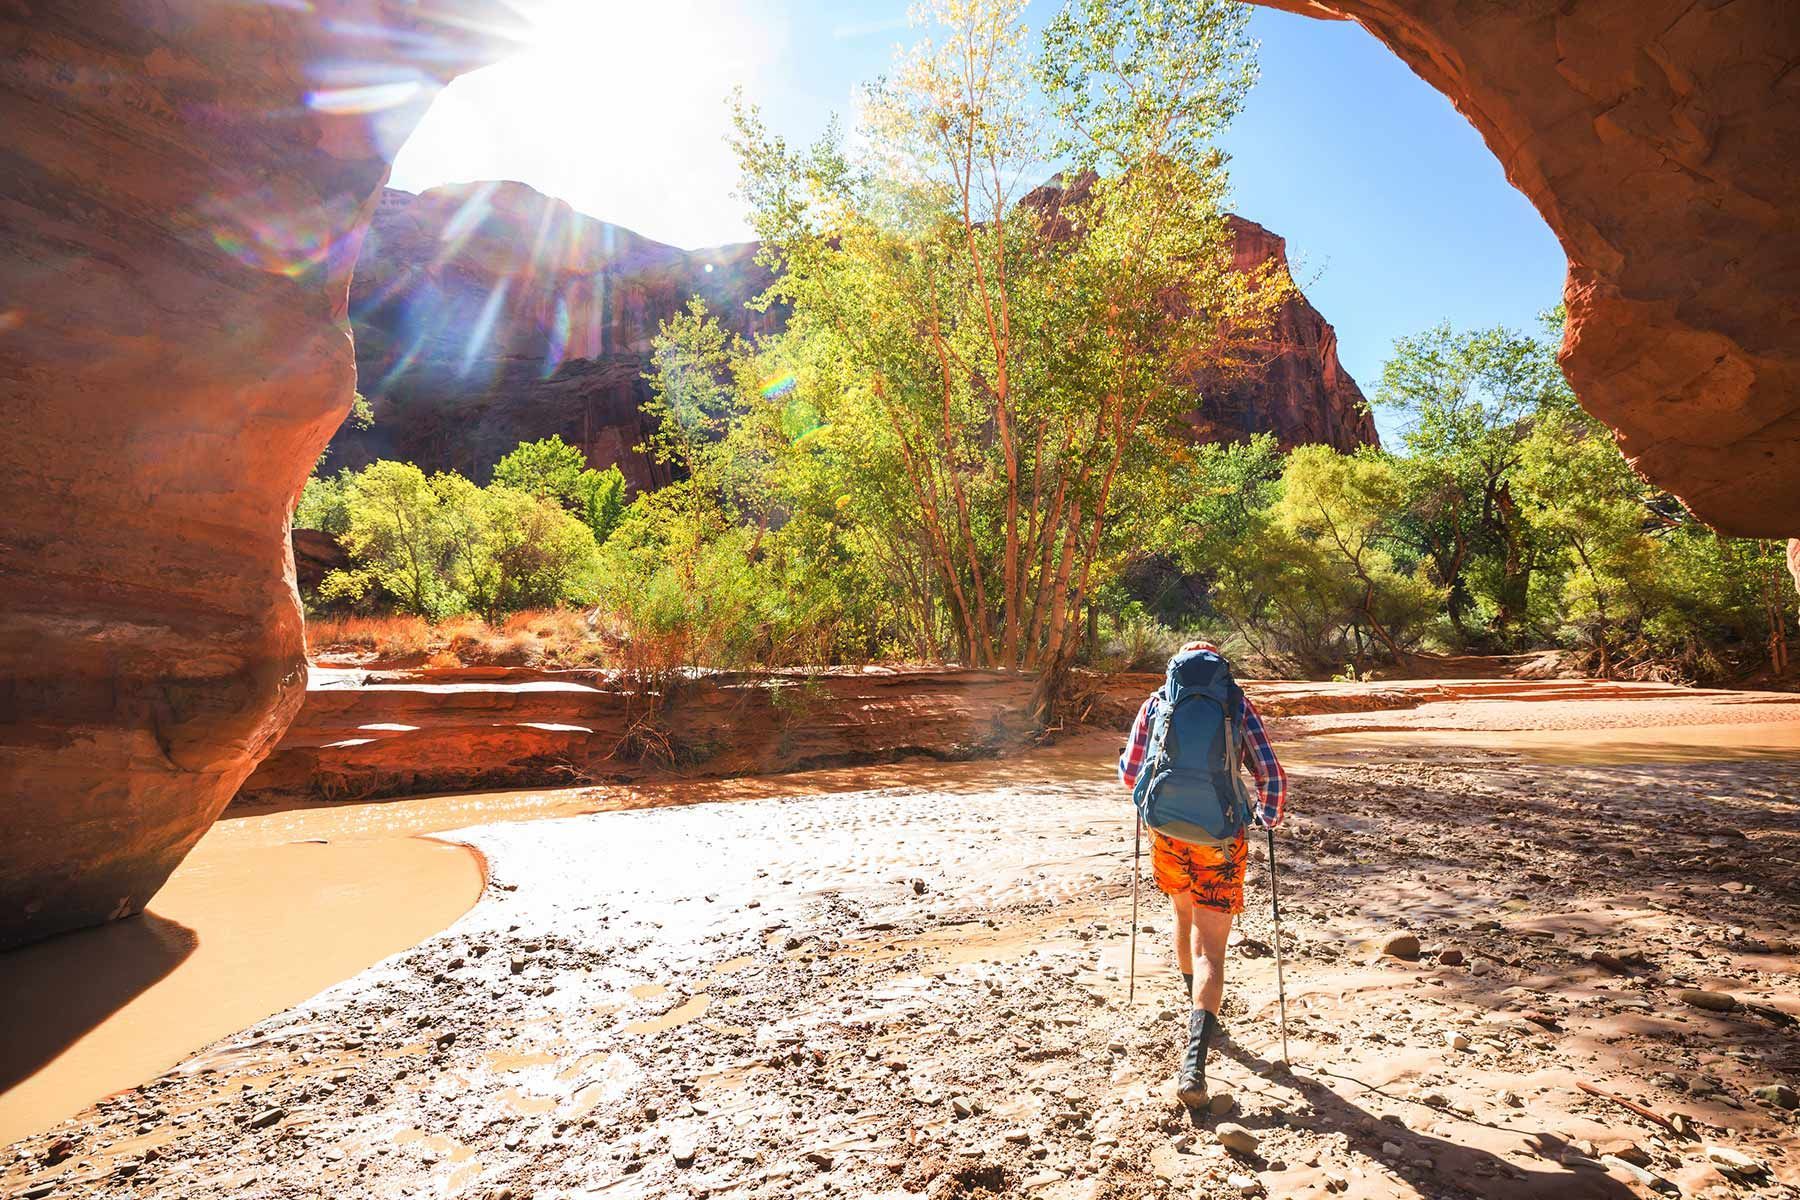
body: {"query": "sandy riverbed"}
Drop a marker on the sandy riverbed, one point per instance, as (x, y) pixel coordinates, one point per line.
(913, 979)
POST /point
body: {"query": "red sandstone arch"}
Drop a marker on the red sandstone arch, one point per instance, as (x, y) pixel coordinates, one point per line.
(178, 226)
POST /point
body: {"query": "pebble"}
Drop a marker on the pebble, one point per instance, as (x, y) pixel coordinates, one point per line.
(1223, 1102)
(1456, 1041)
(1451, 958)
(1236, 1138)
(1710, 1001)
(1401, 945)
(1245, 1185)
(1335, 1182)
(267, 1117)
(1733, 1160)
(1648, 1178)
(1391, 1150)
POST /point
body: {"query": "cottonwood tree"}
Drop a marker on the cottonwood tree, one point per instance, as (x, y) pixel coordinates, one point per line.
(991, 362)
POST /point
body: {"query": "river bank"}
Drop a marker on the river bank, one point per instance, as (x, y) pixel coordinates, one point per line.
(913, 977)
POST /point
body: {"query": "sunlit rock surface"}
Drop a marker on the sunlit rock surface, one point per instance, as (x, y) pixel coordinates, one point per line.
(487, 314)
(185, 185)
(1657, 139)
(1291, 383)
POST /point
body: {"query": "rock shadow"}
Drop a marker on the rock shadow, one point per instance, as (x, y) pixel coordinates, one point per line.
(55, 991)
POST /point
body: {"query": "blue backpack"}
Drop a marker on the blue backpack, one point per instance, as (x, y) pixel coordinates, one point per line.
(1190, 787)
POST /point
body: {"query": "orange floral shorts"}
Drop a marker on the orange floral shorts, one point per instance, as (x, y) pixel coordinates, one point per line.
(1214, 875)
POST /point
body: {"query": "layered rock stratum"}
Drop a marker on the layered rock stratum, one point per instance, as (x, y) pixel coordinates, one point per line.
(487, 314)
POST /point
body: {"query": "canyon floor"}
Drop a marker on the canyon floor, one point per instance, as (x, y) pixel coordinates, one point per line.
(913, 980)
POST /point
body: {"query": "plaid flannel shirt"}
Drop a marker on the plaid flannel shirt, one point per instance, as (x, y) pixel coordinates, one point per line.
(1258, 755)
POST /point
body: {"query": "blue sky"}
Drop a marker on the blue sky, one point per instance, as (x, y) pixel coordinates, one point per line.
(1395, 213)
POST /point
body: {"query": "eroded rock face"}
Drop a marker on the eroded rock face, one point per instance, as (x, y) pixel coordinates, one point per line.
(1657, 139)
(1291, 383)
(488, 314)
(179, 223)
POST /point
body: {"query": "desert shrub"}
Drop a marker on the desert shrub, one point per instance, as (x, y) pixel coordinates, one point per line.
(388, 636)
(440, 546)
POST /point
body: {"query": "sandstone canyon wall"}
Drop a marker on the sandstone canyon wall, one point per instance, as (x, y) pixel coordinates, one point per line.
(1291, 383)
(488, 314)
(1657, 138)
(184, 186)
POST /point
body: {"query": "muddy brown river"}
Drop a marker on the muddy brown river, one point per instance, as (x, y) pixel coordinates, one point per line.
(876, 978)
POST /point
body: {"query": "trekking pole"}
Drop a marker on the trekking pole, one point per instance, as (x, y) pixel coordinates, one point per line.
(1137, 849)
(1275, 911)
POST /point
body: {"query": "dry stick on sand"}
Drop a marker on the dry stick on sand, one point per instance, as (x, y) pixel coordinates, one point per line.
(1633, 1105)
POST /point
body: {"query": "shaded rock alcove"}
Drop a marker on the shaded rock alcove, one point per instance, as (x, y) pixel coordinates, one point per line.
(187, 186)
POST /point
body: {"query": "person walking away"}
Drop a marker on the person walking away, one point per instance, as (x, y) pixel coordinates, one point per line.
(1182, 762)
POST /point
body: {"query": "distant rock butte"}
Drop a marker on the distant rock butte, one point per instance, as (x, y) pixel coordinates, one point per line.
(1292, 384)
(487, 314)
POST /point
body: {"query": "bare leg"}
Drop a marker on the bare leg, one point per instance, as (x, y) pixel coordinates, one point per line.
(1184, 933)
(1211, 929)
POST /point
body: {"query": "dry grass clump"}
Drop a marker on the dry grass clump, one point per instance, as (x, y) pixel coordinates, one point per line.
(561, 637)
(388, 637)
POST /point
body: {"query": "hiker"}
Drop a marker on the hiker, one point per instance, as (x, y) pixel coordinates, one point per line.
(1181, 762)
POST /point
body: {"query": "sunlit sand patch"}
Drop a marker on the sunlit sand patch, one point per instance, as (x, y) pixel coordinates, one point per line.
(506, 1061)
(1592, 747)
(680, 1015)
(527, 1105)
(437, 1144)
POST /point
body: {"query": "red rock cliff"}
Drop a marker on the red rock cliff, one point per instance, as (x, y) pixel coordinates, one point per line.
(1292, 384)
(487, 314)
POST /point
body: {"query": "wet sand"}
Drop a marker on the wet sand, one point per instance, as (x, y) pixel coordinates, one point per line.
(913, 978)
(251, 924)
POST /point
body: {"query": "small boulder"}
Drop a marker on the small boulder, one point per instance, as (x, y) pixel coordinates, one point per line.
(1245, 1185)
(1456, 1040)
(1236, 1138)
(1721, 1002)
(1451, 957)
(1223, 1102)
(1734, 1161)
(1402, 946)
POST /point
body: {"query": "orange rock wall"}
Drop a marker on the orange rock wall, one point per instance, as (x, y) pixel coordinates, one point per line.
(1657, 138)
(177, 230)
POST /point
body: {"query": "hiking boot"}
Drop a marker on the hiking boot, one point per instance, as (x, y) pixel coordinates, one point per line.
(1190, 1088)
